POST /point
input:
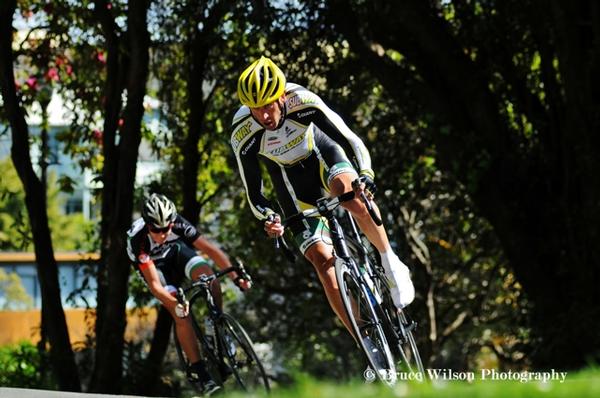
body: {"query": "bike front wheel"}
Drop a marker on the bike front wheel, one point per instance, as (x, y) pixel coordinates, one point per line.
(360, 305)
(247, 371)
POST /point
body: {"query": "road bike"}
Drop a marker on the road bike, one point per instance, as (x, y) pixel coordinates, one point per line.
(229, 354)
(384, 333)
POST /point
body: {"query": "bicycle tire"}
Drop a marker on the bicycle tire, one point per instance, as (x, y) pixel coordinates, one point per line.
(409, 349)
(402, 327)
(398, 327)
(242, 360)
(368, 329)
(208, 355)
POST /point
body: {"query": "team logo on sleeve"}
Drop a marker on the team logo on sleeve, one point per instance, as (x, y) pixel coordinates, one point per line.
(143, 258)
(189, 231)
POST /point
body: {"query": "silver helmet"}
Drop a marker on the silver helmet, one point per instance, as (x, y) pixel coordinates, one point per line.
(159, 211)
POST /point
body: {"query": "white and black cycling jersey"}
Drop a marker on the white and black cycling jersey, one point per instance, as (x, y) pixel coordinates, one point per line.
(311, 137)
(141, 247)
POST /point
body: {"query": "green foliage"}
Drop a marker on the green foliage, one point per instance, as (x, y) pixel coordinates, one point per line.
(23, 366)
(12, 293)
(14, 222)
(460, 273)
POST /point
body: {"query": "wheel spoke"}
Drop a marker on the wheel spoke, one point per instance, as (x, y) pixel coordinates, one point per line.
(239, 355)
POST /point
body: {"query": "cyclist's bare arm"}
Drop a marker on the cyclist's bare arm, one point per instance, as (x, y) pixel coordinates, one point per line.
(219, 257)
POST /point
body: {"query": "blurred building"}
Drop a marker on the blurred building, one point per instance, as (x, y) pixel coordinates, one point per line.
(74, 273)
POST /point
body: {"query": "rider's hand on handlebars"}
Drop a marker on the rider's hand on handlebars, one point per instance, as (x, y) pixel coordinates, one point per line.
(182, 310)
(368, 183)
(242, 284)
(364, 184)
(273, 226)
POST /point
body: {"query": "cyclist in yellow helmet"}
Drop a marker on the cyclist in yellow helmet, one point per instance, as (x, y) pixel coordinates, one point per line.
(308, 151)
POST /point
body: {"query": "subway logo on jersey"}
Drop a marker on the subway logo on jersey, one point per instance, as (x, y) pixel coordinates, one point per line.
(241, 134)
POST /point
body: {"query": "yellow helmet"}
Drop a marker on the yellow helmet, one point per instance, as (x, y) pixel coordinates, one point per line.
(261, 83)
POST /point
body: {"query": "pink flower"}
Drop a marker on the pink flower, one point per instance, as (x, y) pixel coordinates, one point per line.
(31, 82)
(52, 74)
(69, 70)
(100, 57)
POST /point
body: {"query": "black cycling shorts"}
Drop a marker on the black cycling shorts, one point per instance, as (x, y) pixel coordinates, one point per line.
(178, 264)
(299, 187)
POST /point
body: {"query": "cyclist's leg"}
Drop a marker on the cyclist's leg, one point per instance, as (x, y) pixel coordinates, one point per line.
(337, 175)
(187, 338)
(397, 272)
(170, 278)
(190, 265)
(195, 265)
(376, 234)
(313, 239)
(320, 255)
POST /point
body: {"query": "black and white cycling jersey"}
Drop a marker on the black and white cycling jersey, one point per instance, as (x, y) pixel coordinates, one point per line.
(141, 248)
(309, 147)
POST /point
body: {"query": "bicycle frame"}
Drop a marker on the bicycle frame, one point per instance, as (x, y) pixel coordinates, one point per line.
(203, 288)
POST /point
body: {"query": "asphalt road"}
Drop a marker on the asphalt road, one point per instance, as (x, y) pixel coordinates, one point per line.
(27, 393)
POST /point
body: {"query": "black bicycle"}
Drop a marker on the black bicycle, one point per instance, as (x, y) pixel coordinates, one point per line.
(384, 333)
(228, 352)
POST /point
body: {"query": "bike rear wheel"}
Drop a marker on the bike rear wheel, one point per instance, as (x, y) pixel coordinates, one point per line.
(236, 348)
(401, 334)
(360, 306)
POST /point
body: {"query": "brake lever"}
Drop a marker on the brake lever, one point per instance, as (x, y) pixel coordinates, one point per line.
(180, 296)
(242, 274)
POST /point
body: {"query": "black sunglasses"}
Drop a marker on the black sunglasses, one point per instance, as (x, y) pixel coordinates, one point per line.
(159, 230)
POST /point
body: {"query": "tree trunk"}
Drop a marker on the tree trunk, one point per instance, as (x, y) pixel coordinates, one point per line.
(61, 353)
(107, 374)
(198, 50)
(160, 344)
(113, 88)
(199, 45)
